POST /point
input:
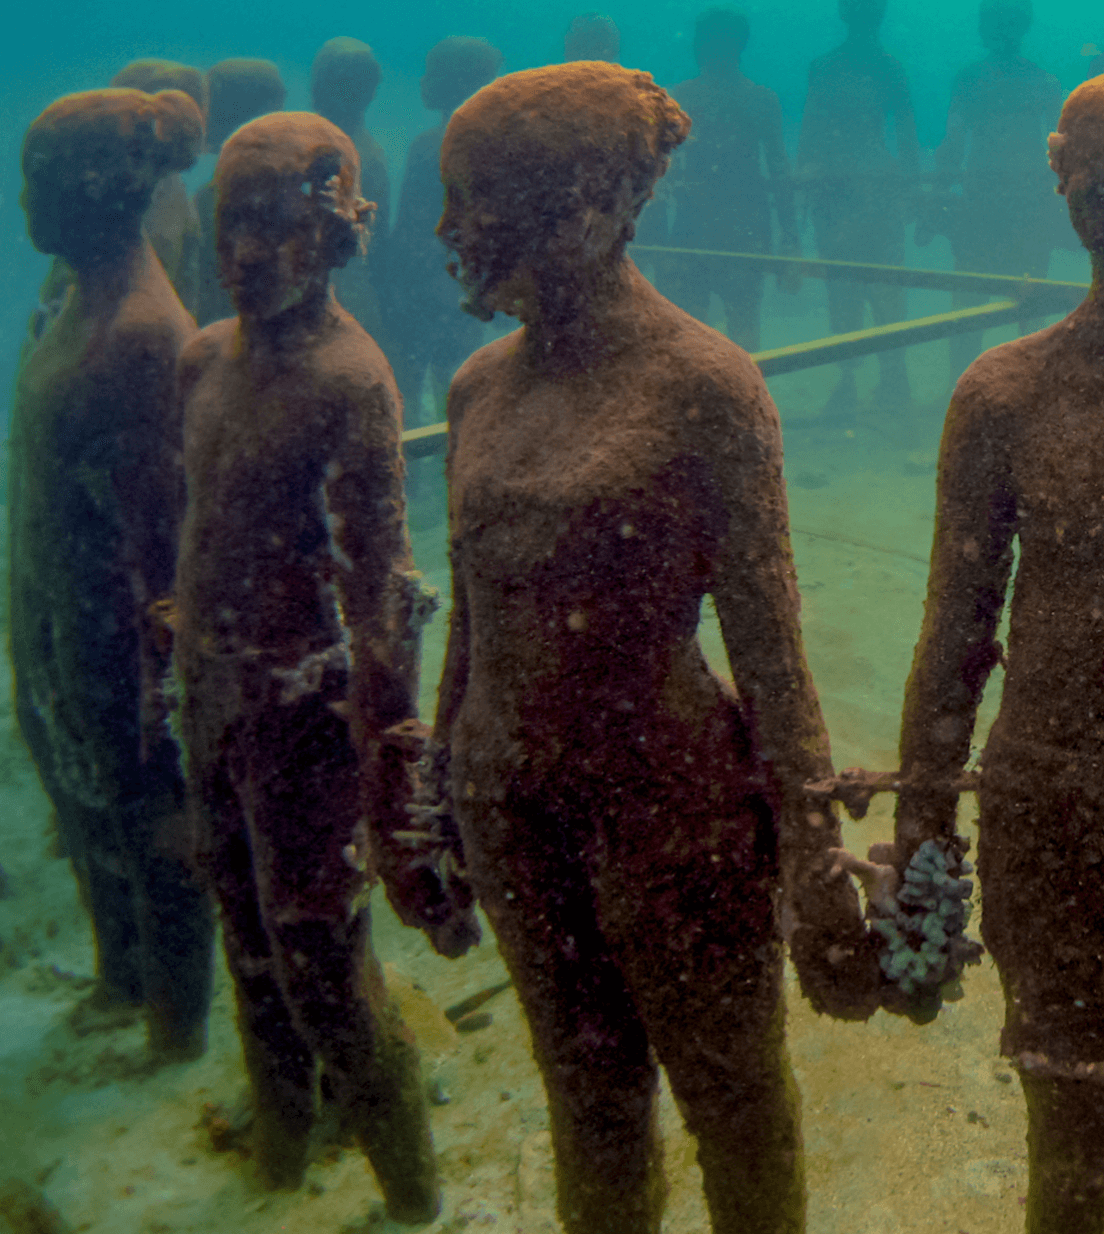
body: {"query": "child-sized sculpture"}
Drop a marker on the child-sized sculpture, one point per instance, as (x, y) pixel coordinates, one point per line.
(93, 493)
(627, 816)
(296, 648)
(1023, 457)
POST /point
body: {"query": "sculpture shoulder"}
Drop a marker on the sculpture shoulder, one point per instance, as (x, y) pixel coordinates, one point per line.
(701, 362)
(482, 368)
(1004, 380)
(350, 362)
(218, 340)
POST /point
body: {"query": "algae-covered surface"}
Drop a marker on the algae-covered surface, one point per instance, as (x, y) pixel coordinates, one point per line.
(907, 1129)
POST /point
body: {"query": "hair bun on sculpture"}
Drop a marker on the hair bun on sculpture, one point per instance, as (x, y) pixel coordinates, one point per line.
(165, 130)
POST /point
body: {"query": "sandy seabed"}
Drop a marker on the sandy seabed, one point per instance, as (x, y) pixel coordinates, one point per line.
(908, 1130)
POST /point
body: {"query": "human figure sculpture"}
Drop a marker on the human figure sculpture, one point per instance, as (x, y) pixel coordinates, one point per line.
(1001, 110)
(425, 324)
(722, 200)
(858, 190)
(344, 79)
(172, 222)
(92, 497)
(625, 814)
(297, 613)
(593, 36)
(238, 90)
(1022, 459)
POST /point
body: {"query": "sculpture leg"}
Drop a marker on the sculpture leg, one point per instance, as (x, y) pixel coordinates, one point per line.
(587, 1037)
(1065, 1154)
(692, 919)
(175, 921)
(304, 790)
(278, 1061)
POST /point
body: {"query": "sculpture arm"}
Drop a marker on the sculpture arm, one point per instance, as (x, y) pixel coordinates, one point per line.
(754, 587)
(971, 563)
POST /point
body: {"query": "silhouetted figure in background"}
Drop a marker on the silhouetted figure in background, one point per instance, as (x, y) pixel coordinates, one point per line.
(1022, 459)
(93, 503)
(296, 647)
(1001, 110)
(857, 190)
(722, 196)
(237, 91)
(171, 222)
(593, 36)
(426, 327)
(344, 79)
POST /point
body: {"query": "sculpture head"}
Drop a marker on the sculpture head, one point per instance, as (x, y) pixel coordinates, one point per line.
(720, 36)
(1077, 156)
(288, 210)
(1002, 25)
(592, 36)
(455, 69)
(545, 172)
(344, 79)
(153, 76)
(91, 162)
(240, 90)
(862, 17)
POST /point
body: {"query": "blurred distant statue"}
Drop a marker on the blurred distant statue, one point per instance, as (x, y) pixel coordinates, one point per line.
(425, 325)
(171, 222)
(857, 188)
(1006, 219)
(1022, 460)
(93, 500)
(593, 36)
(238, 90)
(721, 195)
(344, 79)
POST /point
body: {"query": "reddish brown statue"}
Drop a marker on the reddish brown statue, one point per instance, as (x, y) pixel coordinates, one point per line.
(1023, 458)
(93, 494)
(296, 648)
(627, 816)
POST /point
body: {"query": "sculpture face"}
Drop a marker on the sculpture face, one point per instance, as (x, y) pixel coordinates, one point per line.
(271, 248)
(494, 250)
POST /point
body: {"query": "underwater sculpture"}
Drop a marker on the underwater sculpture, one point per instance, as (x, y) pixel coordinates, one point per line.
(1005, 221)
(1023, 458)
(722, 200)
(171, 222)
(593, 36)
(237, 90)
(423, 320)
(858, 192)
(297, 614)
(344, 79)
(627, 818)
(93, 496)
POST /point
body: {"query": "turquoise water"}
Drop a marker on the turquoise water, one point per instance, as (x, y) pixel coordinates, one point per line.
(907, 1129)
